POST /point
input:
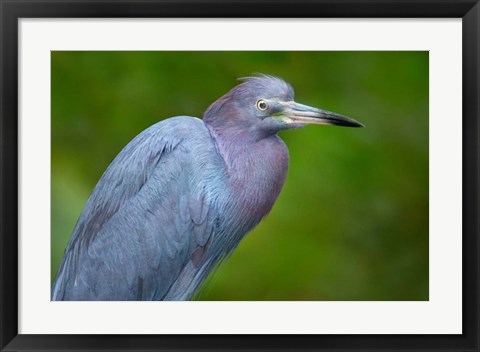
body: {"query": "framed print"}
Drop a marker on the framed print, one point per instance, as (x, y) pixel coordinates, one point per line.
(134, 164)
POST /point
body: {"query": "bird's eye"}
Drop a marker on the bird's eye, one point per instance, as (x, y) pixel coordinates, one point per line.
(262, 105)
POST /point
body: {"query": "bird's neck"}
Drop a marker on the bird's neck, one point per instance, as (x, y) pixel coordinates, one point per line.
(256, 169)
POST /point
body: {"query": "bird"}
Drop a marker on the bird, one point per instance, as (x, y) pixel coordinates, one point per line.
(180, 196)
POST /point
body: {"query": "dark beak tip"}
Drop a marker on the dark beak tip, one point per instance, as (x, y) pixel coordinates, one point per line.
(352, 124)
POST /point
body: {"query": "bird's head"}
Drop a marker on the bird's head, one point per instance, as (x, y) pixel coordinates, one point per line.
(265, 105)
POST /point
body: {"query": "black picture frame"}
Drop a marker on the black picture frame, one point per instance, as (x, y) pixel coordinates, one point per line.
(11, 11)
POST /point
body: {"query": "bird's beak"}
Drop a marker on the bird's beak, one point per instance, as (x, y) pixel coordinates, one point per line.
(298, 114)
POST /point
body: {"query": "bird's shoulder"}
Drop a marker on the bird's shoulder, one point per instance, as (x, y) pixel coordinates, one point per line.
(180, 127)
(166, 133)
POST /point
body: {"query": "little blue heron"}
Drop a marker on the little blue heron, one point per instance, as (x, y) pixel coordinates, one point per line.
(178, 199)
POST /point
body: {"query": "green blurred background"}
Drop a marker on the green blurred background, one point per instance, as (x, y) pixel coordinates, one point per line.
(352, 220)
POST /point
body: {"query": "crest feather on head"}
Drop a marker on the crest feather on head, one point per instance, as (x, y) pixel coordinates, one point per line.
(267, 85)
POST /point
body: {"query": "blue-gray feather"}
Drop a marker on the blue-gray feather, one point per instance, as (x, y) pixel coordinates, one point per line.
(137, 225)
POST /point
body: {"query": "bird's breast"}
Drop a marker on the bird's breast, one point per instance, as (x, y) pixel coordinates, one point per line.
(257, 172)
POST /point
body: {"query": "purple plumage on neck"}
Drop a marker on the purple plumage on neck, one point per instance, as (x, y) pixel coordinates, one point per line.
(256, 166)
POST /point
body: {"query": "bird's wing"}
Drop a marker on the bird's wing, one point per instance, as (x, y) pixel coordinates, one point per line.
(149, 221)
